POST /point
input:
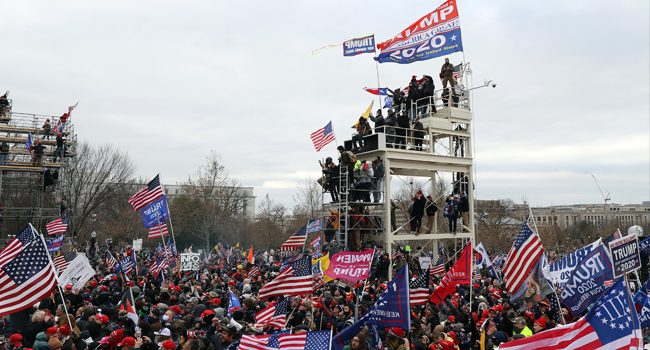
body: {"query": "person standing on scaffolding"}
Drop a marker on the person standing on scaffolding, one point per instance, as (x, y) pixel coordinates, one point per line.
(59, 147)
(4, 153)
(378, 178)
(38, 149)
(47, 129)
(447, 73)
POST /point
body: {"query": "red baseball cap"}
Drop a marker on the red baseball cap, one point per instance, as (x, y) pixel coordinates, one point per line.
(128, 341)
(169, 345)
(52, 330)
(530, 314)
(68, 286)
(17, 339)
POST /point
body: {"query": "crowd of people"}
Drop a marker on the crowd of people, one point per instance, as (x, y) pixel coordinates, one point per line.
(194, 311)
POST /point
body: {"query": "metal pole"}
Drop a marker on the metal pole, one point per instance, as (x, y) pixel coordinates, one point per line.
(56, 275)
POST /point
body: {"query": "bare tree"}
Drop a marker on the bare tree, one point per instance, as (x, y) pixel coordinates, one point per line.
(210, 200)
(271, 219)
(308, 200)
(497, 225)
(98, 174)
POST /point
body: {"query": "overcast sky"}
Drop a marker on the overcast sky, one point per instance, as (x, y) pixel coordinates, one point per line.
(170, 81)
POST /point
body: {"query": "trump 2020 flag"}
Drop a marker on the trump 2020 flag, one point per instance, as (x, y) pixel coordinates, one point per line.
(54, 244)
(390, 310)
(589, 280)
(612, 323)
(358, 46)
(433, 35)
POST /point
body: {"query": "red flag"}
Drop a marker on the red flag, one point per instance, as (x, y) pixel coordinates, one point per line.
(460, 273)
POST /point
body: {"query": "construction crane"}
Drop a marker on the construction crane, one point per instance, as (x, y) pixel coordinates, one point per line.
(606, 198)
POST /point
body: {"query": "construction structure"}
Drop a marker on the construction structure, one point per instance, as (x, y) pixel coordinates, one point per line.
(31, 191)
(441, 150)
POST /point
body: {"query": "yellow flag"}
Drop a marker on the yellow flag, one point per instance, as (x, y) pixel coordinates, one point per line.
(216, 247)
(237, 246)
(482, 342)
(366, 113)
(324, 265)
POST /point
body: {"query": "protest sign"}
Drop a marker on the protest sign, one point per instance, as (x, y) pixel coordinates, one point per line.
(425, 263)
(625, 255)
(353, 266)
(190, 262)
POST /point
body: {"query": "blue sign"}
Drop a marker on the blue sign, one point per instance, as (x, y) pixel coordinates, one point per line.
(390, 310)
(157, 210)
(359, 45)
(588, 281)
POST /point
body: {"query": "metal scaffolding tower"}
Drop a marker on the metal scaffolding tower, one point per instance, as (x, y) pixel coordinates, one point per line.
(29, 192)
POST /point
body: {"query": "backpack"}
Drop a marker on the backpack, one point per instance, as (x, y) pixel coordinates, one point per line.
(352, 156)
(448, 212)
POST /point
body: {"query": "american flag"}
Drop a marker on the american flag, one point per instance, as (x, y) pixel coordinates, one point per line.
(296, 279)
(612, 323)
(317, 272)
(26, 236)
(254, 272)
(148, 194)
(261, 342)
(322, 137)
(57, 226)
(398, 254)
(61, 262)
(274, 315)
(554, 305)
(458, 70)
(523, 255)
(54, 244)
(296, 241)
(27, 277)
(439, 267)
(315, 243)
(320, 340)
(154, 268)
(419, 289)
(109, 260)
(158, 231)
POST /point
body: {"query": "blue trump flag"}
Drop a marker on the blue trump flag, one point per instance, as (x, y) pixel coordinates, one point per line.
(156, 212)
(390, 310)
(358, 46)
(434, 35)
(588, 281)
(314, 226)
(234, 302)
(644, 247)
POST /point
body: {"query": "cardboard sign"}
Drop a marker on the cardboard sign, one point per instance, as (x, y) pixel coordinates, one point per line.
(425, 263)
(190, 262)
(625, 255)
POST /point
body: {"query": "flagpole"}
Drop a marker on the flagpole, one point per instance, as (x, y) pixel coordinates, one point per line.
(629, 292)
(335, 140)
(171, 227)
(377, 68)
(56, 275)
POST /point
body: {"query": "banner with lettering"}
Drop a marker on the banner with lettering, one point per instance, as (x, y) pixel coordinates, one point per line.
(353, 266)
(561, 269)
(358, 46)
(390, 310)
(434, 35)
(588, 281)
(155, 211)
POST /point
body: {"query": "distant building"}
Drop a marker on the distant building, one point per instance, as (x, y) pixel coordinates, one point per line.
(598, 215)
(248, 207)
